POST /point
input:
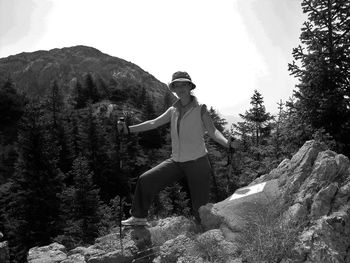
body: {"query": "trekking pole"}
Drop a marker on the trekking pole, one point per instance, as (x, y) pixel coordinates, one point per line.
(214, 178)
(121, 137)
(124, 121)
(230, 153)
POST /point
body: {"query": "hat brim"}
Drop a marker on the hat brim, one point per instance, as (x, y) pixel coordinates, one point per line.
(181, 80)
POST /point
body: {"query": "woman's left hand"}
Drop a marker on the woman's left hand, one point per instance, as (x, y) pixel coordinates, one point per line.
(109, 110)
(232, 143)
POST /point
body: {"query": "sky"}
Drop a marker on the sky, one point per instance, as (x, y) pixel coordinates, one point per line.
(229, 47)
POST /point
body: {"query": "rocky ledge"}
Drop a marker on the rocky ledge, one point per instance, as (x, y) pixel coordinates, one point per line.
(310, 192)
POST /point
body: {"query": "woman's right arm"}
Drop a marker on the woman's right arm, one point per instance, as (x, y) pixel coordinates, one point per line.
(152, 124)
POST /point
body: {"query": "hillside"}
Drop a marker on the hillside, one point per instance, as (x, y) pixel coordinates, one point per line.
(33, 72)
(117, 81)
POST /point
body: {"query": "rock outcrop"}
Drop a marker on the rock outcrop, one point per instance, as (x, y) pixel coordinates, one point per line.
(230, 213)
(138, 244)
(310, 192)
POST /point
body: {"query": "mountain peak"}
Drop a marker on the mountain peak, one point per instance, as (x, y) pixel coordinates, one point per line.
(32, 72)
(89, 51)
(78, 50)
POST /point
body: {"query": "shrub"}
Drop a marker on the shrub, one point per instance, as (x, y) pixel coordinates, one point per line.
(173, 200)
(213, 247)
(266, 236)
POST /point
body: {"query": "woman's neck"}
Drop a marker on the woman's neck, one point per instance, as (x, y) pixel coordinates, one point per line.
(185, 101)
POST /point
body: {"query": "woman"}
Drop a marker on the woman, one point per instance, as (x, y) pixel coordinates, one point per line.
(189, 120)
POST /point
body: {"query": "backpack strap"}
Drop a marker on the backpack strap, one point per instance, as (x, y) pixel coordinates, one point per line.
(204, 110)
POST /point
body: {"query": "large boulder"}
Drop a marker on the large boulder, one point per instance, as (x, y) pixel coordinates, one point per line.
(210, 246)
(74, 258)
(231, 212)
(174, 248)
(169, 228)
(53, 253)
(214, 246)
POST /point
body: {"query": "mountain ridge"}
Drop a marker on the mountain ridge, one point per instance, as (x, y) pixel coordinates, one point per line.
(32, 72)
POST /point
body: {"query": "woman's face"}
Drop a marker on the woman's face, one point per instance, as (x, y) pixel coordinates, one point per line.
(182, 89)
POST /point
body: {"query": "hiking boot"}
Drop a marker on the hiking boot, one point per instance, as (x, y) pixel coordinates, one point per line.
(134, 221)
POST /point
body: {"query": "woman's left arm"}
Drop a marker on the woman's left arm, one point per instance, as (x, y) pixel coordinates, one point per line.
(210, 127)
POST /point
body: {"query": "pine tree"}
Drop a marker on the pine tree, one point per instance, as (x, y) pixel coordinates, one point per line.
(80, 206)
(73, 127)
(34, 206)
(72, 144)
(276, 137)
(79, 96)
(11, 105)
(222, 176)
(321, 63)
(294, 131)
(55, 104)
(243, 130)
(219, 123)
(258, 117)
(150, 139)
(254, 133)
(56, 114)
(90, 89)
(11, 109)
(92, 145)
(103, 89)
(123, 165)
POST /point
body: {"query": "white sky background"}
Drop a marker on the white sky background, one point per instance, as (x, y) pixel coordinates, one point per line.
(229, 47)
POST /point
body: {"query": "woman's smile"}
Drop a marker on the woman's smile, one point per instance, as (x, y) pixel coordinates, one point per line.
(182, 89)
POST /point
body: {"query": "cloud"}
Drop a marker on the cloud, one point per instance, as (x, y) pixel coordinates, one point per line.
(22, 23)
(274, 28)
(273, 21)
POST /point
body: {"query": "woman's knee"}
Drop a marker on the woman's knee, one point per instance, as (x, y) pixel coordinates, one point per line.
(144, 179)
(149, 180)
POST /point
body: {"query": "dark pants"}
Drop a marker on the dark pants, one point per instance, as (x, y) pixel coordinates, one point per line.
(196, 172)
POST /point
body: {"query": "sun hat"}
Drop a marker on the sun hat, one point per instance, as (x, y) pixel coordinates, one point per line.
(181, 76)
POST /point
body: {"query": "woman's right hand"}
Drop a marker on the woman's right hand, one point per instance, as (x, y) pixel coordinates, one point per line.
(121, 126)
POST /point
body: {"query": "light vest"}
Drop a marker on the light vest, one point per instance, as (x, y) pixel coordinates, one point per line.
(188, 139)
